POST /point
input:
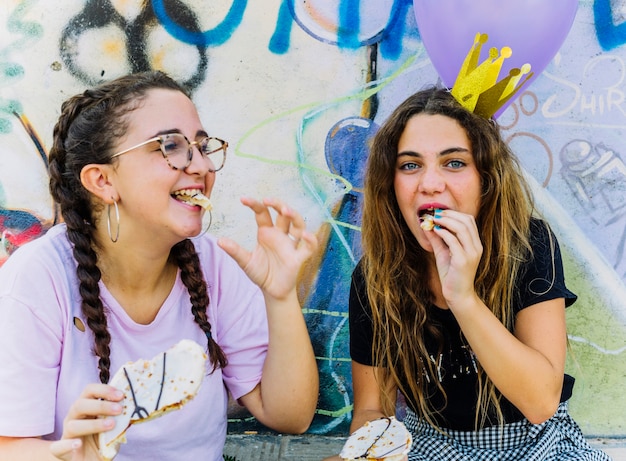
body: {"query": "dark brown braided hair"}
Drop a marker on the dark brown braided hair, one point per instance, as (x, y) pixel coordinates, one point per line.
(84, 134)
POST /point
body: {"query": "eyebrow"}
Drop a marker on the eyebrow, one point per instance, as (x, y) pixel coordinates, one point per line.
(443, 153)
(199, 133)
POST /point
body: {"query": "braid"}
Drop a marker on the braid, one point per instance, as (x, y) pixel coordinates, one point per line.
(87, 129)
(184, 253)
(73, 200)
(92, 307)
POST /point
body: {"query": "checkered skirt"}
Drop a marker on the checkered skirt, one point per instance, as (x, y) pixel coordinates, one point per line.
(558, 439)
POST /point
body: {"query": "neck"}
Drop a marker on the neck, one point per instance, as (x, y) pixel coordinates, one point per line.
(139, 282)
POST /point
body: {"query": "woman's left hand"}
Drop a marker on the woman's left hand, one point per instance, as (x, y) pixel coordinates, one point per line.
(458, 249)
(282, 247)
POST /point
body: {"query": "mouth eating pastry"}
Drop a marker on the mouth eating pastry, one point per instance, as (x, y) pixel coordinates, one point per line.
(153, 388)
(193, 197)
(382, 439)
(426, 218)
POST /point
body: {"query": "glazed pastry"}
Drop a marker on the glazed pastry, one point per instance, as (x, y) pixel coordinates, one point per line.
(153, 388)
(382, 439)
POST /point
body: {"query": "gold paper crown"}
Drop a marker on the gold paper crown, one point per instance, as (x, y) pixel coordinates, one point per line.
(476, 86)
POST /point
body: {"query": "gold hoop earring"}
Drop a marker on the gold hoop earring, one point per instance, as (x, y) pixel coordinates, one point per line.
(117, 218)
(206, 229)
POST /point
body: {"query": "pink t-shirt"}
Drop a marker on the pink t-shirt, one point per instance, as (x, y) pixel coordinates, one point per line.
(46, 361)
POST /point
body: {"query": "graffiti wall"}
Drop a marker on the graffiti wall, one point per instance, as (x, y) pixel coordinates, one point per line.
(297, 88)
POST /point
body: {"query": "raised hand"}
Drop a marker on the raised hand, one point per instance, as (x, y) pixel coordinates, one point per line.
(458, 249)
(282, 247)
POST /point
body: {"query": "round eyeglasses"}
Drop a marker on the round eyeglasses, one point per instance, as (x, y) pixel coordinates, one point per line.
(177, 150)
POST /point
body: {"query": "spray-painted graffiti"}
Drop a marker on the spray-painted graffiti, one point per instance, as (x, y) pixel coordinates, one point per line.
(24, 33)
(609, 20)
(124, 39)
(594, 175)
(18, 227)
(299, 88)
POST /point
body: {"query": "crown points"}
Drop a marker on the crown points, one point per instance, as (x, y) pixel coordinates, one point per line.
(477, 87)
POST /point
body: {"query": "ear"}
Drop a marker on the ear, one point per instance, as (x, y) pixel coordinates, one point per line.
(97, 180)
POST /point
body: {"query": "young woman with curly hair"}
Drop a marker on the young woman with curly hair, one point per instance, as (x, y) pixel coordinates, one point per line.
(464, 319)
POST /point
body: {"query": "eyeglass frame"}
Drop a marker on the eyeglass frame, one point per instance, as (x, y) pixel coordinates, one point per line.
(160, 140)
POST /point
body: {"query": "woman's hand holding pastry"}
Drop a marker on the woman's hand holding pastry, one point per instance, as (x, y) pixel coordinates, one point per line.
(84, 421)
(458, 249)
(282, 247)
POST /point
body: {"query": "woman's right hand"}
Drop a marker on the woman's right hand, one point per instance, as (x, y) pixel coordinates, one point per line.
(86, 418)
(283, 244)
(458, 249)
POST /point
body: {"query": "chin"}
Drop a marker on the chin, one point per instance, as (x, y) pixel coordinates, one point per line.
(194, 233)
(424, 243)
(189, 232)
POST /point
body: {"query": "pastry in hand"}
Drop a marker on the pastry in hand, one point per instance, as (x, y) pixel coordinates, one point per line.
(153, 388)
(382, 439)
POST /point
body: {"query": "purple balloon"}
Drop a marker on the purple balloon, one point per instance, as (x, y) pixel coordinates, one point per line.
(533, 29)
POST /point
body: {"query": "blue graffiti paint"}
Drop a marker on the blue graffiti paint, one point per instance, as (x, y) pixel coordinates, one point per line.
(11, 72)
(279, 43)
(8, 107)
(349, 24)
(391, 43)
(215, 36)
(609, 35)
(18, 227)
(5, 125)
(29, 31)
(349, 28)
(346, 151)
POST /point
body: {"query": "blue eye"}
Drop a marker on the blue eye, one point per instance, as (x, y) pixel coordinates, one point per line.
(456, 164)
(409, 166)
(168, 142)
(175, 144)
(170, 145)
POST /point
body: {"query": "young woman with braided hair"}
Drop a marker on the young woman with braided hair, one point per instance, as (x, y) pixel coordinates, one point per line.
(123, 278)
(465, 319)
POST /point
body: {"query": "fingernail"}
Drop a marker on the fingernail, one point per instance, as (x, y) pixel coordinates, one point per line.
(437, 226)
(438, 213)
(75, 444)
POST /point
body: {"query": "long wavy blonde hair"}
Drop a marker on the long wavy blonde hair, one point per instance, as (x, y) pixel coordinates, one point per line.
(393, 261)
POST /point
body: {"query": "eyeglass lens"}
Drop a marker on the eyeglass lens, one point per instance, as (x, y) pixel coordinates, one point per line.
(177, 150)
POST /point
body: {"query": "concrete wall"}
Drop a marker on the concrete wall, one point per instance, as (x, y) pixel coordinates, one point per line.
(297, 91)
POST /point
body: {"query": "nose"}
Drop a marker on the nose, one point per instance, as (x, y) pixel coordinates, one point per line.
(431, 181)
(198, 164)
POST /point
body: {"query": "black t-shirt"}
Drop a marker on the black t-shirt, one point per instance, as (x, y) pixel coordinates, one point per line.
(540, 280)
